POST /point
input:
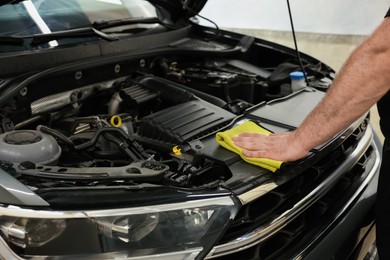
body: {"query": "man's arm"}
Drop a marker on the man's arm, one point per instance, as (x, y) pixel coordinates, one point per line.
(362, 81)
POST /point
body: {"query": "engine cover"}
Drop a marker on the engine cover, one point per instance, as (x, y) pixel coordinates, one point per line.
(184, 122)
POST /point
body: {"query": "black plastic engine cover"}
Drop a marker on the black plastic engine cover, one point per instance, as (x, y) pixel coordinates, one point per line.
(184, 122)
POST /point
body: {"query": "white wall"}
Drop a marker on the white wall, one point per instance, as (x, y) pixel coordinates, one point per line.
(351, 17)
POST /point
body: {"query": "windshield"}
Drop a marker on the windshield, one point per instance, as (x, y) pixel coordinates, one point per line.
(30, 17)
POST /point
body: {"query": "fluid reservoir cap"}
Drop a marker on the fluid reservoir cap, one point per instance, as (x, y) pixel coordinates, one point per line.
(297, 75)
(22, 137)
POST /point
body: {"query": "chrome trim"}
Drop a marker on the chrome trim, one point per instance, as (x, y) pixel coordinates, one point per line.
(16, 211)
(263, 232)
(257, 192)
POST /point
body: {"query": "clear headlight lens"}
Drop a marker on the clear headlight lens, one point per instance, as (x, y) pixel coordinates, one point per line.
(169, 231)
(24, 232)
(128, 228)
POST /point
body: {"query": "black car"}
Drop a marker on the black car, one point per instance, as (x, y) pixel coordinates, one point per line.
(109, 111)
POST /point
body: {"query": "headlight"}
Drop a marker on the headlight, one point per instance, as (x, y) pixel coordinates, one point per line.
(128, 228)
(169, 231)
(24, 232)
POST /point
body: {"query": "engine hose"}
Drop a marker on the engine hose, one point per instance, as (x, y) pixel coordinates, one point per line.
(113, 105)
(57, 135)
(123, 146)
(107, 154)
(168, 92)
(96, 136)
(134, 151)
(131, 148)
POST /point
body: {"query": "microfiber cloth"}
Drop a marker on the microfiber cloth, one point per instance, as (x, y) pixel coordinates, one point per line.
(225, 140)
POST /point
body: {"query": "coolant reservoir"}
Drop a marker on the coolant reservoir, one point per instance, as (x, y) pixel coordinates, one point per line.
(29, 145)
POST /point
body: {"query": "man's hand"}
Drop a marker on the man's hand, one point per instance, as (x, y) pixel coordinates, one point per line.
(282, 147)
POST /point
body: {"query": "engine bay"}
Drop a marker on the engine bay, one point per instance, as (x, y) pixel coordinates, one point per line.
(132, 122)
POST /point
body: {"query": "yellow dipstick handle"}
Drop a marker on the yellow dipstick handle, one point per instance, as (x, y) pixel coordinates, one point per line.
(176, 150)
(116, 121)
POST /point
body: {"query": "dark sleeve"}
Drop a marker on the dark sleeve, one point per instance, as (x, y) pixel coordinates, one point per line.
(388, 13)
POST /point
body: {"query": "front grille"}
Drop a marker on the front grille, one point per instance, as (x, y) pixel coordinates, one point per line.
(262, 211)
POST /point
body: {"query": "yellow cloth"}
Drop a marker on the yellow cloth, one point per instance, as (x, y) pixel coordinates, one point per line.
(225, 140)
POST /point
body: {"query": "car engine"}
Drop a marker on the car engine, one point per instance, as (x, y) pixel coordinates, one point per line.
(139, 126)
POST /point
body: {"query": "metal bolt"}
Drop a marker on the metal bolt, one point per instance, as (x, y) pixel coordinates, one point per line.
(117, 68)
(23, 91)
(78, 75)
(142, 63)
(77, 95)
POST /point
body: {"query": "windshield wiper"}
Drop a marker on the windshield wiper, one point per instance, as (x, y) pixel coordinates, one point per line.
(127, 21)
(93, 30)
(11, 40)
(72, 33)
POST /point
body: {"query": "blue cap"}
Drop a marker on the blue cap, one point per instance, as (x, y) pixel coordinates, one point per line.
(297, 75)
